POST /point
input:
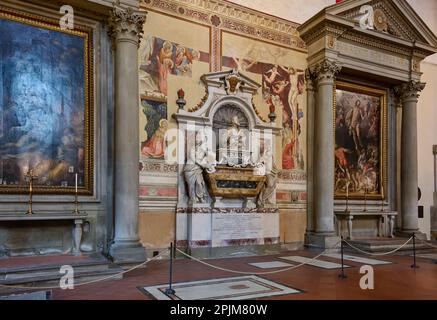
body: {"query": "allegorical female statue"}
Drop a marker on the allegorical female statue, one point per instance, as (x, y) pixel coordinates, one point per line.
(198, 159)
(267, 197)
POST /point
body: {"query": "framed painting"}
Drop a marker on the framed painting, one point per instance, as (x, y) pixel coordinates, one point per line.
(46, 105)
(360, 141)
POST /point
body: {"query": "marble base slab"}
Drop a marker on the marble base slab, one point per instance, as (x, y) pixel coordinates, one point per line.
(234, 288)
(271, 264)
(372, 262)
(315, 263)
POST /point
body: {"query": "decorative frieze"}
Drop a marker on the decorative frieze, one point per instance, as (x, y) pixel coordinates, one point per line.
(234, 18)
(192, 210)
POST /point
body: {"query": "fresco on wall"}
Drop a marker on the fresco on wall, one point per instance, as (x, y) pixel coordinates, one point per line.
(159, 58)
(42, 113)
(283, 87)
(156, 114)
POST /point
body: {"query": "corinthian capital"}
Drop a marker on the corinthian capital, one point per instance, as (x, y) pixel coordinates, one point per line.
(326, 70)
(126, 23)
(409, 90)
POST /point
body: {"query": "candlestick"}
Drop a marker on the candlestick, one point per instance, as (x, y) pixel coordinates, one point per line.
(365, 199)
(76, 202)
(31, 177)
(382, 198)
(347, 197)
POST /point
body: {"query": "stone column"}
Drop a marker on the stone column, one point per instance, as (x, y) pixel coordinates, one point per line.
(323, 158)
(434, 206)
(311, 101)
(126, 28)
(409, 94)
(434, 152)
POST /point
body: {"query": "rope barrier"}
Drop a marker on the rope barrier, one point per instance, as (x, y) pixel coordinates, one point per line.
(92, 281)
(221, 268)
(256, 273)
(426, 243)
(377, 254)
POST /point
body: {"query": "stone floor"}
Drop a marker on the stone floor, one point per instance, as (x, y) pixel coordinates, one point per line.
(392, 281)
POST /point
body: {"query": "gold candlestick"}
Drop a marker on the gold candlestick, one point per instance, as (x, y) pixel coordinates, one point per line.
(76, 205)
(31, 176)
(76, 201)
(347, 197)
(365, 200)
(382, 199)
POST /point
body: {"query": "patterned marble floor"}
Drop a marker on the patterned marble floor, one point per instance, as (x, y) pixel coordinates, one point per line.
(392, 281)
(315, 263)
(234, 288)
(271, 264)
(362, 260)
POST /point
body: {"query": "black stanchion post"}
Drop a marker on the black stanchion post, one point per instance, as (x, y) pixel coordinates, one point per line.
(343, 274)
(414, 265)
(170, 290)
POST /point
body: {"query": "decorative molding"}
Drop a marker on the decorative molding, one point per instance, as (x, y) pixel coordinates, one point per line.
(157, 166)
(234, 18)
(126, 22)
(292, 175)
(216, 45)
(207, 210)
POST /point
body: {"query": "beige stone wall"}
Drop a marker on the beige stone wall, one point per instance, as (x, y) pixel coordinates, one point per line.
(237, 43)
(427, 137)
(213, 40)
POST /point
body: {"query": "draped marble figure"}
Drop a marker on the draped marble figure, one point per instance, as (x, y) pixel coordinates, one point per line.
(198, 159)
(267, 197)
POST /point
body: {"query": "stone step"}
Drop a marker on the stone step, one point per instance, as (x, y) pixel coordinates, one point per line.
(48, 282)
(383, 245)
(17, 272)
(53, 278)
(47, 274)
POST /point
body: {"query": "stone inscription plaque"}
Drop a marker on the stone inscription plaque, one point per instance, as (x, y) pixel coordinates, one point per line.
(234, 226)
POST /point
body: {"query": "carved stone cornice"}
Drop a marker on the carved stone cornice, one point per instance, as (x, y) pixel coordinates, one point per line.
(126, 23)
(322, 30)
(409, 90)
(326, 70)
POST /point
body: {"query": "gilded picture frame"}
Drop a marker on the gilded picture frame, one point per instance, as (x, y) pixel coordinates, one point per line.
(360, 133)
(46, 109)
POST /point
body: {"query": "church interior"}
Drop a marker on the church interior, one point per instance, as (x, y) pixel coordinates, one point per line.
(218, 150)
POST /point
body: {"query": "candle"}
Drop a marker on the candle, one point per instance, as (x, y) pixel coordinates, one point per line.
(76, 183)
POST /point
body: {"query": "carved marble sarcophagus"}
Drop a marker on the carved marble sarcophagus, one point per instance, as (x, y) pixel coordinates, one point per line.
(232, 182)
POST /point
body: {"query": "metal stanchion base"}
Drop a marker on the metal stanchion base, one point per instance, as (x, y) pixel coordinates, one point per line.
(415, 267)
(169, 291)
(342, 276)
